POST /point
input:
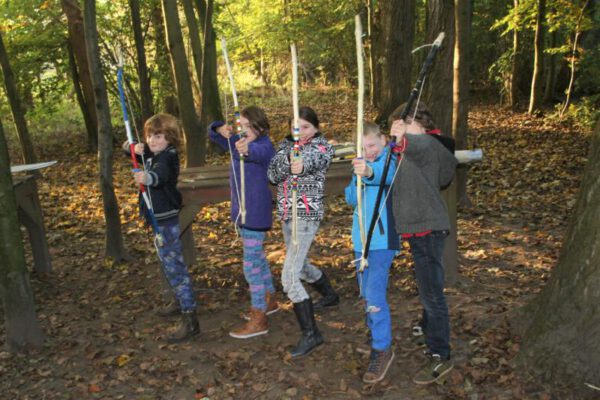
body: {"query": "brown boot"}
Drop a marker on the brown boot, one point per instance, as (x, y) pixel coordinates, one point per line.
(272, 304)
(256, 326)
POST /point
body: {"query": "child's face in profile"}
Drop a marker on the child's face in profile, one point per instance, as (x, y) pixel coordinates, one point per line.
(373, 145)
(247, 127)
(157, 142)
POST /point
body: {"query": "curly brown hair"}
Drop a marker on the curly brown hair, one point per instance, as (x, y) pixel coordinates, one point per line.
(166, 124)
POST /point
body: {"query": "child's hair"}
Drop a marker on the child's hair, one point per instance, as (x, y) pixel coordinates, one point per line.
(370, 128)
(308, 114)
(423, 116)
(257, 118)
(166, 124)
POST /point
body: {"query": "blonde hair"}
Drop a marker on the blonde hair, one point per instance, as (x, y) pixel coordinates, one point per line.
(370, 128)
(166, 124)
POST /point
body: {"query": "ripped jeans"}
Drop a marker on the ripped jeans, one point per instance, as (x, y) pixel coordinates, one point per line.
(373, 289)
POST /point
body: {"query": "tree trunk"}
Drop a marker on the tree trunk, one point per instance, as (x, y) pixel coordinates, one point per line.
(460, 113)
(211, 103)
(438, 95)
(197, 54)
(145, 89)
(194, 135)
(114, 237)
(16, 108)
(90, 125)
(165, 79)
(561, 326)
(552, 70)
(392, 50)
(369, 4)
(22, 329)
(535, 98)
(513, 91)
(76, 39)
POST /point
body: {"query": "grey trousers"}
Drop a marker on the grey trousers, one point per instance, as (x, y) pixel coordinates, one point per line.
(296, 266)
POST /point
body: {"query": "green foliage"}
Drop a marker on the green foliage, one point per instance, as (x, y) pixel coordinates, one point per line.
(262, 30)
(583, 114)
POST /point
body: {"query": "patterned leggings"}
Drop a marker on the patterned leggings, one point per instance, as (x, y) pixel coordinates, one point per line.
(175, 270)
(256, 268)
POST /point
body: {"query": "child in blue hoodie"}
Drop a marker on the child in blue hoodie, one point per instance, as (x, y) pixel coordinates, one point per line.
(384, 245)
(257, 150)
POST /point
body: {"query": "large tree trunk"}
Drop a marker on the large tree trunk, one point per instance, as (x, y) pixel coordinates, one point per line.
(22, 329)
(561, 326)
(211, 103)
(438, 95)
(460, 113)
(114, 237)
(145, 89)
(535, 98)
(513, 85)
(77, 40)
(392, 51)
(194, 135)
(16, 108)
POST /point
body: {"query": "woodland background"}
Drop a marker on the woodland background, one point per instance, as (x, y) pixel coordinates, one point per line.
(519, 78)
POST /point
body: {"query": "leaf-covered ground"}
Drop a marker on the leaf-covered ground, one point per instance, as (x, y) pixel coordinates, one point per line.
(104, 340)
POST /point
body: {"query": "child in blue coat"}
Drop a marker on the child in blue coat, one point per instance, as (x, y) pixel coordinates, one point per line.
(257, 150)
(384, 245)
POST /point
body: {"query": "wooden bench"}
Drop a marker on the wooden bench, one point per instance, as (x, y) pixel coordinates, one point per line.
(203, 185)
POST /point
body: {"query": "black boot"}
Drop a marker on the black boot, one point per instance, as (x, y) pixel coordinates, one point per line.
(311, 337)
(169, 309)
(188, 328)
(329, 297)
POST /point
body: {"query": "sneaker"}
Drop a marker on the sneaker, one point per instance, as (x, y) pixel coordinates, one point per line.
(433, 370)
(256, 326)
(379, 364)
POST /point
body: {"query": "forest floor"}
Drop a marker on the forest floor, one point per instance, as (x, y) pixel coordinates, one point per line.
(105, 342)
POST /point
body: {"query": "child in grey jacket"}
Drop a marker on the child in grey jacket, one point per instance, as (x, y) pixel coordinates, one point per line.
(307, 174)
(425, 165)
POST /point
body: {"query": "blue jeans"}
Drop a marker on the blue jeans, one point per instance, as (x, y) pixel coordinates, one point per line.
(175, 270)
(427, 254)
(373, 288)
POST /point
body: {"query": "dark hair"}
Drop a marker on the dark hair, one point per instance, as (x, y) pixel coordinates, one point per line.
(308, 114)
(257, 118)
(166, 124)
(422, 116)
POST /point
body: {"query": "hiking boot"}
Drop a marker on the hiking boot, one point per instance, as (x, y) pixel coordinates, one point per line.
(329, 297)
(256, 325)
(169, 310)
(311, 337)
(433, 370)
(188, 328)
(379, 363)
(272, 306)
